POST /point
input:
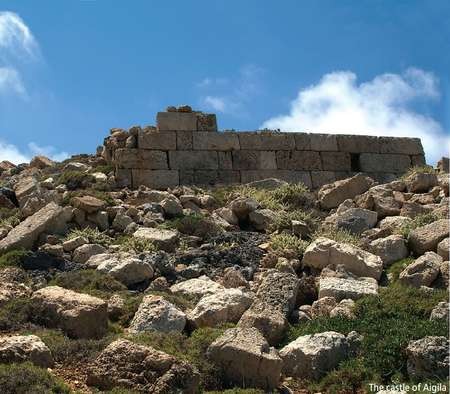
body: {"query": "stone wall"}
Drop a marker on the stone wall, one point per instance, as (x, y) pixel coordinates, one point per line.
(185, 148)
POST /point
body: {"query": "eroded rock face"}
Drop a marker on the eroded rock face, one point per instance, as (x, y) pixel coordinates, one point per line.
(311, 356)
(164, 239)
(342, 288)
(197, 287)
(428, 358)
(421, 182)
(142, 368)
(440, 311)
(390, 249)
(128, 270)
(246, 359)
(323, 252)
(21, 348)
(78, 315)
(157, 314)
(423, 272)
(426, 238)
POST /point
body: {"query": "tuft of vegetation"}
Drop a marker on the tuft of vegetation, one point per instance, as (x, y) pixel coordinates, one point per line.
(288, 243)
(92, 234)
(283, 219)
(13, 258)
(337, 235)
(419, 221)
(15, 314)
(75, 180)
(9, 217)
(396, 268)
(27, 378)
(132, 244)
(387, 322)
(194, 224)
(105, 169)
(418, 170)
(183, 302)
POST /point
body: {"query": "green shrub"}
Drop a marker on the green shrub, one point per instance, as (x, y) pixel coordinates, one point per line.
(283, 219)
(418, 170)
(15, 314)
(26, 378)
(75, 179)
(194, 224)
(398, 267)
(287, 242)
(419, 221)
(337, 235)
(13, 258)
(105, 169)
(129, 243)
(92, 234)
(388, 322)
(9, 217)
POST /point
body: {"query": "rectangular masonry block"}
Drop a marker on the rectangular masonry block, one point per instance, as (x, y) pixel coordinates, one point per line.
(358, 143)
(298, 160)
(157, 179)
(193, 160)
(285, 175)
(186, 177)
(140, 158)
(206, 122)
(320, 178)
(211, 177)
(123, 177)
(216, 141)
(302, 141)
(254, 160)
(225, 160)
(165, 140)
(406, 146)
(373, 162)
(418, 160)
(323, 142)
(176, 121)
(336, 161)
(266, 141)
(184, 140)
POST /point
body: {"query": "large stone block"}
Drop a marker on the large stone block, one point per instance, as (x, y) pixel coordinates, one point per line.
(141, 158)
(302, 141)
(304, 177)
(158, 140)
(336, 161)
(185, 140)
(405, 146)
(266, 141)
(193, 160)
(358, 143)
(320, 178)
(418, 160)
(225, 160)
(206, 122)
(323, 142)
(254, 160)
(298, 160)
(216, 141)
(123, 177)
(213, 177)
(176, 121)
(157, 179)
(372, 162)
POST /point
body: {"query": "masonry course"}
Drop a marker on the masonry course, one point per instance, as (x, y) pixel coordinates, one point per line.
(185, 148)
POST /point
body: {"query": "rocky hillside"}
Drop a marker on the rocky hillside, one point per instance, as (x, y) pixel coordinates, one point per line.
(263, 287)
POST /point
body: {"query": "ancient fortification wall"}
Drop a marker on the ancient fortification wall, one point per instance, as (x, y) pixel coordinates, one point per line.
(185, 148)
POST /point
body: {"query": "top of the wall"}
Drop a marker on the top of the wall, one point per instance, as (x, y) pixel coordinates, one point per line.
(185, 119)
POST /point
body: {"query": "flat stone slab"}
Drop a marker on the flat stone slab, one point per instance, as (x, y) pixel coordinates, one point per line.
(341, 288)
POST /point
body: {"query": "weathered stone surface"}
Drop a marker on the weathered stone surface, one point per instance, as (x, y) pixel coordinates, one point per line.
(254, 160)
(354, 220)
(261, 219)
(304, 177)
(423, 271)
(216, 141)
(330, 196)
(41, 162)
(426, 238)
(193, 160)
(312, 356)
(142, 368)
(323, 142)
(141, 158)
(158, 179)
(21, 348)
(320, 178)
(443, 249)
(298, 160)
(51, 218)
(176, 121)
(406, 146)
(246, 359)
(157, 314)
(323, 252)
(197, 287)
(390, 249)
(336, 161)
(128, 270)
(84, 252)
(226, 306)
(266, 141)
(428, 358)
(440, 311)
(373, 162)
(341, 288)
(12, 290)
(158, 140)
(163, 239)
(419, 182)
(78, 315)
(358, 143)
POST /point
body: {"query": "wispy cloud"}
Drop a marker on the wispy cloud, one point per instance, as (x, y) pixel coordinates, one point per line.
(15, 155)
(11, 153)
(382, 106)
(231, 95)
(11, 81)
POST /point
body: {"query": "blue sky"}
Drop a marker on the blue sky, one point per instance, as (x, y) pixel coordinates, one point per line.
(71, 70)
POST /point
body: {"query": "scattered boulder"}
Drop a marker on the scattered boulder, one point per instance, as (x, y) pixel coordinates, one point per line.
(443, 249)
(88, 204)
(172, 207)
(354, 220)
(242, 206)
(342, 288)
(78, 315)
(166, 240)
(440, 311)
(12, 290)
(142, 368)
(21, 348)
(129, 270)
(423, 271)
(197, 287)
(426, 238)
(428, 358)
(84, 252)
(421, 182)
(261, 219)
(157, 314)
(390, 249)
(323, 252)
(246, 359)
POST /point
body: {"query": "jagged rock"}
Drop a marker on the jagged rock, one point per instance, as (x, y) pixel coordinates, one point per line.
(197, 287)
(78, 315)
(322, 307)
(261, 219)
(344, 309)
(443, 249)
(331, 195)
(390, 249)
(88, 204)
(391, 223)
(423, 271)
(52, 218)
(354, 220)
(233, 278)
(428, 358)
(128, 270)
(311, 356)
(420, 182)
(341, 288)
(121, 221)
(246, 359)
(142, 368)
(172, 207)
(84, 252)
(12, 290)
(116, 305)
(440, 311)
(228, 215)
(323, 252)
(242, 206)
(226, 306)
(21, 348)
(166, 240)
(157, 314)
(426, 238)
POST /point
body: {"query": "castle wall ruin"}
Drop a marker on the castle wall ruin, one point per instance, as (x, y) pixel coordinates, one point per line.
(185, 148)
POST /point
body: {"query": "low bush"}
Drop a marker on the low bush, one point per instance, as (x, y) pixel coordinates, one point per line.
(288, 243)
(93, 235)
(183, 302)
(396, 268)
(13, 258)
(283, 219)
(9, 217)
(129, 243)
(419, 221)
(15, 314)
(418, 170)
(75, 180)
(27, 378)
(337, 235)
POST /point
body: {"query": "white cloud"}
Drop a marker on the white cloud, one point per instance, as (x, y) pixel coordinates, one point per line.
(382, 106)
(216, 103)
(13, 154)
(49, 151)
(10, 81)
(15, 36)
